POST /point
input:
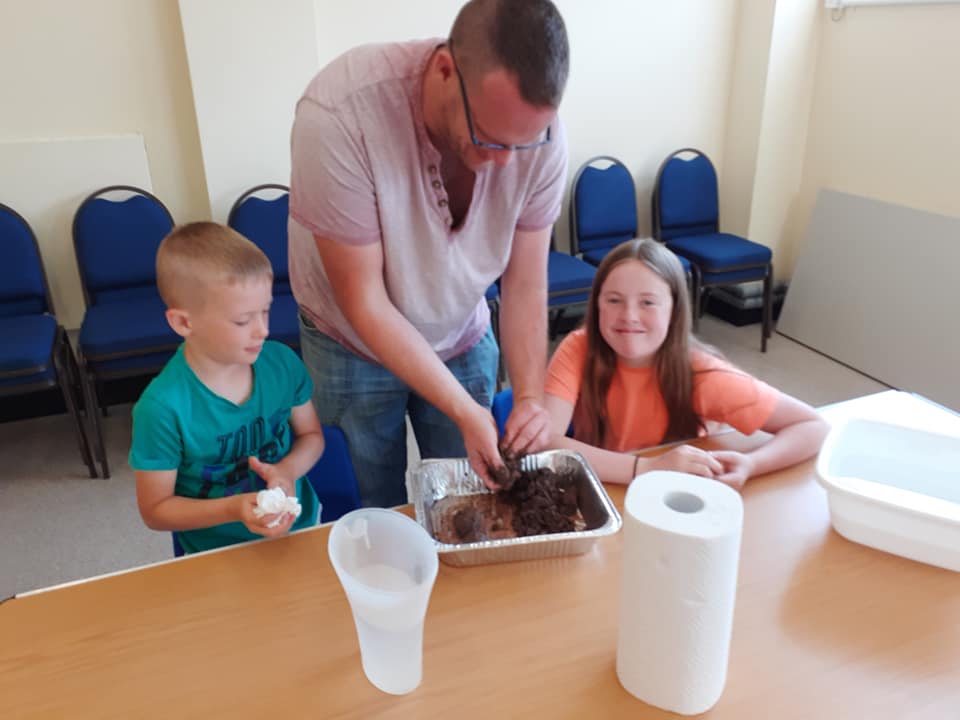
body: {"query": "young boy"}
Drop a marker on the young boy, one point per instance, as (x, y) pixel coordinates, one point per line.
(230, 414)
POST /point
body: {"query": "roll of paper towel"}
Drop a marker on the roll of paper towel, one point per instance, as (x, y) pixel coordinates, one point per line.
(681, 551)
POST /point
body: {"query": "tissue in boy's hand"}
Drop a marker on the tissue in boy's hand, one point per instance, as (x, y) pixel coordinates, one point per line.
(273, 501)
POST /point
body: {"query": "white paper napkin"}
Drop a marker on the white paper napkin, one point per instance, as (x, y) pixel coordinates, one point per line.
(273, 501)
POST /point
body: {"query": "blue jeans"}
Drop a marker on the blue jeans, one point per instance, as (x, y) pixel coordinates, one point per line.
(369, 403)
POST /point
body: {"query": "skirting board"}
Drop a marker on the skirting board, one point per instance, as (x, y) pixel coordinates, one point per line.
(874, 287)
(46, 180)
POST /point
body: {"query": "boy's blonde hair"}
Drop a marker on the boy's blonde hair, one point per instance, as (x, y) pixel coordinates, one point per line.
(196, 255)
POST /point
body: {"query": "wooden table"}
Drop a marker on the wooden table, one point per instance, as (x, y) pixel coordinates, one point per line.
(824, 628)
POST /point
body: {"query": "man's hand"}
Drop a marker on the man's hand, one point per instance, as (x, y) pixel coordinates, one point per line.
(479, 431)
(528, 427)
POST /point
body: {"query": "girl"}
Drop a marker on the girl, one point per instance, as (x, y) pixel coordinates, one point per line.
(633, 377)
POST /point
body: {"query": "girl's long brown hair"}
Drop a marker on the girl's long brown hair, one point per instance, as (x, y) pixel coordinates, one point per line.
(671, 363)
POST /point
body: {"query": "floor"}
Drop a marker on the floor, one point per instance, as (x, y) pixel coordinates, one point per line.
(58, 525)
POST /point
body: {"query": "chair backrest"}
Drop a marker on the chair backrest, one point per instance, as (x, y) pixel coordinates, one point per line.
(603, 208)
(502, 405)
(23, 284)
(684, 200)
(263, 220)
(333, 477)
(116, 243)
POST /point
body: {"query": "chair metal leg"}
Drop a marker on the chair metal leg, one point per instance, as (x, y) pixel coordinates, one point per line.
(65, 365)
(767, 308)
(100, 392)
(87, 383)
(554, 323)
(495, 322)
(696, 291)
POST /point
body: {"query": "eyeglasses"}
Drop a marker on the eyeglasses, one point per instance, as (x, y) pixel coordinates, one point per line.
(473, 135)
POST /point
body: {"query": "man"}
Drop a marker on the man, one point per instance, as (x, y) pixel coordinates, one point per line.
(421, 173)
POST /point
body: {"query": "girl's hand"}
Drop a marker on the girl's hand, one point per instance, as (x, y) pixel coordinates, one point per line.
(737, 468)
(273, 476)
(259, 525)
(689, 459)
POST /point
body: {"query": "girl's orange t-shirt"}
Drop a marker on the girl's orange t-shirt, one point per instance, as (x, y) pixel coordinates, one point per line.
(638, 416)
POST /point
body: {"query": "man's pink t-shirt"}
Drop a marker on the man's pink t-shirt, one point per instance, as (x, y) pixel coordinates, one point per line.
(635, 407)
(364, 171)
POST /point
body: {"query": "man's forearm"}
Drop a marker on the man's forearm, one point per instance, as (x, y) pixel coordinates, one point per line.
(404, 352)
(523, 317)
(523, 335)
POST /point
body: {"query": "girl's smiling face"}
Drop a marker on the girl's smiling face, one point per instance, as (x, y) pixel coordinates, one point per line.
(635, 304)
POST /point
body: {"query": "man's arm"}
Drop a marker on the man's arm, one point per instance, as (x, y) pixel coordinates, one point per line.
(356, 278)
(523, 333)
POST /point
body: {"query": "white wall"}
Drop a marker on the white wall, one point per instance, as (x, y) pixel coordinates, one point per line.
(754, 30)
(93, 75)
(104, 67)
(646, 78)
(783, 130)
(249, 63)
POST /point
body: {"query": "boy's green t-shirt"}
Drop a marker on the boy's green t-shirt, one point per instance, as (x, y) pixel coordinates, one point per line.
(180, 424)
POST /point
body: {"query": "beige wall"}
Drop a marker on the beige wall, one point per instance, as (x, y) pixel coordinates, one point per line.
(783, 128)
(104, 67)
(885, 112)
(754, 30)
(249, 62)
(646, 78)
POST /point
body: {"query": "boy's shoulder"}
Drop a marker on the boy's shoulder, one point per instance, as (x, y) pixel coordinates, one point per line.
(168, 383)
(275, 353)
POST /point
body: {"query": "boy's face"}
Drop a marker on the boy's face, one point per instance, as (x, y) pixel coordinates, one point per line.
(233, 321)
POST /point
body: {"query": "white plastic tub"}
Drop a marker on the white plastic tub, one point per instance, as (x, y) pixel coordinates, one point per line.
(894, 488)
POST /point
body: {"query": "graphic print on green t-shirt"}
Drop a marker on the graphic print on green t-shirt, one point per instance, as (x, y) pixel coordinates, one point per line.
(231, 472)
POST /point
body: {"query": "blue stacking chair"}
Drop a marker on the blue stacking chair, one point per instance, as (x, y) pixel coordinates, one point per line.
(685, 211)
(116, 233)
(502, 405)
(260, 215)
(35, 354)
(603, 212)
(333, 479)
(603, 208)
(569, 280)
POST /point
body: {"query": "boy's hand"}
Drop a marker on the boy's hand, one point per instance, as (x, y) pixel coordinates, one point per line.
(273, 476)
(260, 525)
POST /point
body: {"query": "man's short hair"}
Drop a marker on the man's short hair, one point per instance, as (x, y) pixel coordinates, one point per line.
(524, 37)
(199, 254)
